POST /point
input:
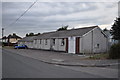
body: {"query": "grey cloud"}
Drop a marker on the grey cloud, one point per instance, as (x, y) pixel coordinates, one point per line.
(48, 16)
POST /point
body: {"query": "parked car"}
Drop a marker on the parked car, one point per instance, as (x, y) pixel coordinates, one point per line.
(20, 46)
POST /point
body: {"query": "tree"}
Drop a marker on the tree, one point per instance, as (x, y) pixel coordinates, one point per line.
(115, 30)
(63, 28)
(105, 29)
(14, 34)
(32, 34)
(27, 35)
(37, 34)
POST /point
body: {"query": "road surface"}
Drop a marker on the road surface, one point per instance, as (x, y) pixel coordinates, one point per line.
(17, 66)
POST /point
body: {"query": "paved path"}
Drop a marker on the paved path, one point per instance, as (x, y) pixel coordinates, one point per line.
(61, 58)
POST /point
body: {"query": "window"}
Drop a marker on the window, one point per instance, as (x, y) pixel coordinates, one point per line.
(45, 41)
(53, 41)
(97, 45)
(40, 41)
(62, 42)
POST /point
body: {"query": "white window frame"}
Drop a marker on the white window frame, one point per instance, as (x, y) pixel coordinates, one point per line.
(62, 42)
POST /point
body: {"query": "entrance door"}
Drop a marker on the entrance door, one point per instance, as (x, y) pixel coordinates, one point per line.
(77, 45)
(71, 46)
(66, 44)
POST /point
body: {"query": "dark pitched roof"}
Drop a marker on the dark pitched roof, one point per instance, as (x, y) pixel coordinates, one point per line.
(4, 37)
(66, 33)
(60, 34)
(13, 36)
(107, 32)
(29, 38)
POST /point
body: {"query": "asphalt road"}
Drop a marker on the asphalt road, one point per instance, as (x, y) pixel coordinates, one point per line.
(17, 66)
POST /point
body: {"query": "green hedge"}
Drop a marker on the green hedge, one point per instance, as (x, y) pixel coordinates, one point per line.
(114, 52)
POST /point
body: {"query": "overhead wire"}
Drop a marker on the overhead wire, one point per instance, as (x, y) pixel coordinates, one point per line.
(22, 14)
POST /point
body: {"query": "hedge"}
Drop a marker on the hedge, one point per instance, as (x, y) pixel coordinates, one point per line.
(114, 52)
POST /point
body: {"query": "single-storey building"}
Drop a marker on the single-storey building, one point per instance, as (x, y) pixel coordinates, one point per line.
(28, 41)
(81, 40)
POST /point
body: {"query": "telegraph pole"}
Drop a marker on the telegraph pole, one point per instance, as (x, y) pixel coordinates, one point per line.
(2, 33)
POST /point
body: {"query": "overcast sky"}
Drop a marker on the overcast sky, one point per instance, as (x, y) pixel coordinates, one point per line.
(49, 16)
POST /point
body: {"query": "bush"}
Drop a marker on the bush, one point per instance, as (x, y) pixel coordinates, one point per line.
(114, 52)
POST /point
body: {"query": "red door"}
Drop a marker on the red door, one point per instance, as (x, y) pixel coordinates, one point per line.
(66, 44)
(77, 44)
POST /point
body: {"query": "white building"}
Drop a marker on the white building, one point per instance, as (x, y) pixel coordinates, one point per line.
(81, 40)
(28, 41)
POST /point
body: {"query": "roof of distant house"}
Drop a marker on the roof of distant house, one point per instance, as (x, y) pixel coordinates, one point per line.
(107, 33)
(29, 38)
(4, 37)
(13, 36)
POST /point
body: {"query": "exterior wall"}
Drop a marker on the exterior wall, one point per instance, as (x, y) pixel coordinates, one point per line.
(99, 38)
(4, 40)
(55, 46)
(20, 42)
(58, 46)
(93, 42)
(13, 40)
(29, 44)
(42, 45)
(86, 43)
(46, 45)
(39, 44)
(34, 43)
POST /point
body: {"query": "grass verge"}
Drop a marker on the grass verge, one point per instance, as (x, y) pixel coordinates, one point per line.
(100, 56)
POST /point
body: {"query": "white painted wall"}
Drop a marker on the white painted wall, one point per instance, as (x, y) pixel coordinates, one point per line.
(35, 44)
(71, 45)
(58, 45)
(86, 45)
(99, 38)
(46, 46)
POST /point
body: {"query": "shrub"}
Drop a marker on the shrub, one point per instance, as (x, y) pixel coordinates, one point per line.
(114, 52)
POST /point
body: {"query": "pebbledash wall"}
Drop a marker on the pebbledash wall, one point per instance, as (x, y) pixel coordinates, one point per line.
(56, 44)
(95, 41)
(92, 41)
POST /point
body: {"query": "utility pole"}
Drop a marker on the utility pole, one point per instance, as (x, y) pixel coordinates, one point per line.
(2, 33)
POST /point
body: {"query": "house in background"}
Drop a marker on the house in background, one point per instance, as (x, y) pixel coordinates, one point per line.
(81, 40)
(4, 39)
(10, 40)
(111, 41)
(13, 38)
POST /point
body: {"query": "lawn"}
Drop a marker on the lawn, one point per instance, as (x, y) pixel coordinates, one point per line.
(100, 56)
(8, 47)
